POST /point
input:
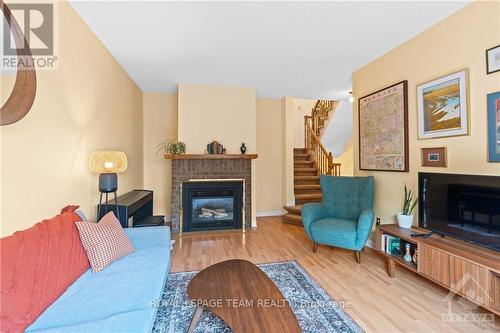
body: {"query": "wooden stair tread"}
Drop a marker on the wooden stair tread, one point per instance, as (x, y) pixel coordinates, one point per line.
(305, 170)
(292, 219)
(297, 209)
(309, 196)
(308, 187)
(306, 177)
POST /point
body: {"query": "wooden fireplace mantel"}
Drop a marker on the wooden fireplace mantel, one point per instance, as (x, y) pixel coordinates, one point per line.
(211, 156)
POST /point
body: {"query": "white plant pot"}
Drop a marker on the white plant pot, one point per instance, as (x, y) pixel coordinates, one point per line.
(405, 221)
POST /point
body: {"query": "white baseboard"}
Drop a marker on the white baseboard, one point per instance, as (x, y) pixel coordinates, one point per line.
(269, 213)
(370, 243)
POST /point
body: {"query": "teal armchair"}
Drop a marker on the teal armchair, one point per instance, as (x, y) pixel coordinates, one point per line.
(345, 216)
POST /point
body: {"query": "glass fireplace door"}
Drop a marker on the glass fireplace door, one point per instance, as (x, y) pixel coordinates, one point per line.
(213, 208)
(212, 205)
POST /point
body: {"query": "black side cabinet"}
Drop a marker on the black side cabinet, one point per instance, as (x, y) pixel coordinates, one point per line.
(137, 204)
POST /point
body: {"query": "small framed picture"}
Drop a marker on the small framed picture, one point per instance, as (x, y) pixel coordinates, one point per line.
(494, 127)
(434, 157)
(493, 60)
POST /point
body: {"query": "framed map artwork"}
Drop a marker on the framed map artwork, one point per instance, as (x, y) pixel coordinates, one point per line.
(383, 129)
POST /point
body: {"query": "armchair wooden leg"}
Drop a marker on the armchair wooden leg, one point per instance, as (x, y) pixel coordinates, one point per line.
(315, 247)
(357, 256)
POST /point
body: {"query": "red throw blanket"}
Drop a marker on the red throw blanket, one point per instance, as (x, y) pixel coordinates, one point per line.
(37, 266)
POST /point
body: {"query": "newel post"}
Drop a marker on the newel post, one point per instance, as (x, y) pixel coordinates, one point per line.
(305, 132)
(330, 163)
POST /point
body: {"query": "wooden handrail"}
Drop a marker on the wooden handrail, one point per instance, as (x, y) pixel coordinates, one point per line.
(320, 113)
(321, 157)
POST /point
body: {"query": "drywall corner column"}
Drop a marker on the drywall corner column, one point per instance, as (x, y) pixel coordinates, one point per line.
(159, 124)
(288, 196)
(270, 161)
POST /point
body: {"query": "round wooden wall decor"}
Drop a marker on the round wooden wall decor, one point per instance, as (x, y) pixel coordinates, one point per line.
(23, 94)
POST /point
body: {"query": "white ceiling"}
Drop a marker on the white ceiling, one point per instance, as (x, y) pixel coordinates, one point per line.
(300, 49)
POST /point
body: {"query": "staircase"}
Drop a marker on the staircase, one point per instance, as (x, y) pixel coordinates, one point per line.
(311, 162)
(320, 114)
(306, 185)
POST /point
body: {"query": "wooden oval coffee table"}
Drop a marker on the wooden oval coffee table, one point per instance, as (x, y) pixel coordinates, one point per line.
(243, 296)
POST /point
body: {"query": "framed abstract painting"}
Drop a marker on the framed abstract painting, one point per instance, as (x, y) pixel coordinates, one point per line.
(442, 107)
(494, 127)
(383, 129)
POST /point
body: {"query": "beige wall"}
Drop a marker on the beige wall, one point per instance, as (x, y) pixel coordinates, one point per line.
(456, 43)
(89, 103)
(222, 113)
(346, 160)
(269, 163)
(303, 107)
(160, 124)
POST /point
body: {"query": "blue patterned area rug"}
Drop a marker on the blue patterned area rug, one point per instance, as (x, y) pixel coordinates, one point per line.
(315, 310)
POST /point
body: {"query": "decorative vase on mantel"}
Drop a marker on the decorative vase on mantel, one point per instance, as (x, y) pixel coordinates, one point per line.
(243, 148)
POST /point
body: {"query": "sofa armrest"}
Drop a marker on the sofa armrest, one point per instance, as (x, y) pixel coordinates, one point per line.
(312, 212)
(149, 236)
(364, 227)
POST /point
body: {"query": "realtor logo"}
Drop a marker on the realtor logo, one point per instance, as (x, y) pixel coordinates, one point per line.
(464, 312)
(37, 21)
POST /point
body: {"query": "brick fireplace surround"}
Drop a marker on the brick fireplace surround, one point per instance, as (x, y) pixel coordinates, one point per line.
(186, 169)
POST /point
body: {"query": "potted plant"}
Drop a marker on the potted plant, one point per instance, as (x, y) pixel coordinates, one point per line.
(171, 146)
(405, 218)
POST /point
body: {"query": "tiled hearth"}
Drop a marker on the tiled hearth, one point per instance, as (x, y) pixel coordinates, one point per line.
(189, 169)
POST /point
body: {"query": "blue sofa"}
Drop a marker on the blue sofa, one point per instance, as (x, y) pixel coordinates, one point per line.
(120, 297)
(345, 216)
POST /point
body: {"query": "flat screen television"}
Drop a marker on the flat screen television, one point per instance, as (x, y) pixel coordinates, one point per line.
(466, 207)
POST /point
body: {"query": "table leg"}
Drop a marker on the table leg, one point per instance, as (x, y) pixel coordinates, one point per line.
(391, 267)
(195, 318)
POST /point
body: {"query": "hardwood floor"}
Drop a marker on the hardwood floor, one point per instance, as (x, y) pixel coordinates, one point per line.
(378, 303)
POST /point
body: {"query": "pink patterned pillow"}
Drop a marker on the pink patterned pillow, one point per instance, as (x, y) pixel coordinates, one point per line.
(104, 242)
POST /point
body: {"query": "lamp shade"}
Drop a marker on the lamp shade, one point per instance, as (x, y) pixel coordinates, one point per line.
(108, 161)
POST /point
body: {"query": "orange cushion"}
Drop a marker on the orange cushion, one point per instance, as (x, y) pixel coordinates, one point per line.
(37, 266)
(104, 242)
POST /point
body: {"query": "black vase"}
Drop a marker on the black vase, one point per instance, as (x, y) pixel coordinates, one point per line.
(243, 149)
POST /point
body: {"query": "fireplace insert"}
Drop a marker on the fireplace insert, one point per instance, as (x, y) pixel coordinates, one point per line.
(211, 205)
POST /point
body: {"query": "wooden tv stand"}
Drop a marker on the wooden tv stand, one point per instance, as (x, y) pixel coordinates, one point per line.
(469, 270)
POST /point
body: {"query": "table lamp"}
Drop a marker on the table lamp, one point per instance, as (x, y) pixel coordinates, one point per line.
(107, 164)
